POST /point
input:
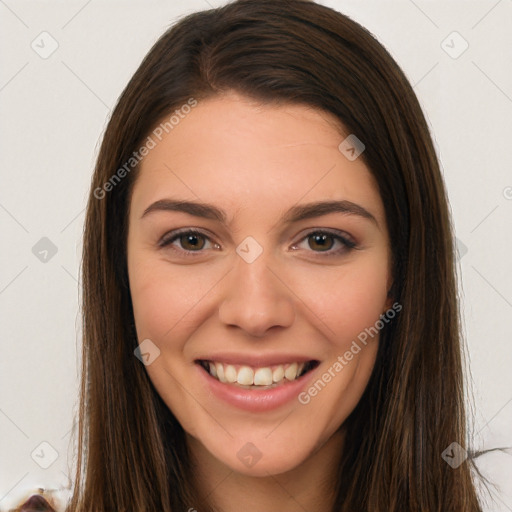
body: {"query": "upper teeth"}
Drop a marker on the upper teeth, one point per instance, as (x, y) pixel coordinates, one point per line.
(249, 376)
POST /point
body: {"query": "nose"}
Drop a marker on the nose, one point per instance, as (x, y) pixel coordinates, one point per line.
(257, 298)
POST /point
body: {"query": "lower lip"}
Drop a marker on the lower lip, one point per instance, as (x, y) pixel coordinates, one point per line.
(255, 400)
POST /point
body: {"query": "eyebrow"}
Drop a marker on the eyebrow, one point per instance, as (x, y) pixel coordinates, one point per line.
(294, 214)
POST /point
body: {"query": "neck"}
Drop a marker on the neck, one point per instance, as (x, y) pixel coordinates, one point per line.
(309, 486)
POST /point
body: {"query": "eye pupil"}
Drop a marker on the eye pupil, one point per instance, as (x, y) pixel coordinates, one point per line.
(320, 240)
(191, 239)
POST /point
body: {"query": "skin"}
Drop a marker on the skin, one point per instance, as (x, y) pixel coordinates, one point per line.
(255, 162)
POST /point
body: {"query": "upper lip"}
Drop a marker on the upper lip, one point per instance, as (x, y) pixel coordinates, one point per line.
(255, 360)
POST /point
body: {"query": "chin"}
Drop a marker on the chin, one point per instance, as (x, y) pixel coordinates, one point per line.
(263, 455)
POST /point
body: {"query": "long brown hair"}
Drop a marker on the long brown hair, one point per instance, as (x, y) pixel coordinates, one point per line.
(132, 454)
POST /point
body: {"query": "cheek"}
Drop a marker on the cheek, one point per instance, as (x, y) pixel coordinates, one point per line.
(153, 310)
(349, 303)
(155, 305)
(347, 300)
(165, 303)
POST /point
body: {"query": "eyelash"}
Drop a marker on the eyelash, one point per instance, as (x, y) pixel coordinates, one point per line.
(348, 245)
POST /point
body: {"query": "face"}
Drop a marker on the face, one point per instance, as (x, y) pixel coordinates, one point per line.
(257, 254)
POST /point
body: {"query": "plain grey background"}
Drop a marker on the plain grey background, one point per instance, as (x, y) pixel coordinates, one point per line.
(63, 66)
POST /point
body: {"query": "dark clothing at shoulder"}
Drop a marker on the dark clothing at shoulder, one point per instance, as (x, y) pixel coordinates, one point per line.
(36, 503)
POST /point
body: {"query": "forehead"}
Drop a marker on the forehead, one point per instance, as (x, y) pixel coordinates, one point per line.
(245, 156)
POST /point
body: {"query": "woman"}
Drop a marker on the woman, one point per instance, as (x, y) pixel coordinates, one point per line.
(270, 312)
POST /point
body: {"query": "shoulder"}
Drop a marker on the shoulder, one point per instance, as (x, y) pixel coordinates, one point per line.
(44, 500)
(36, 503)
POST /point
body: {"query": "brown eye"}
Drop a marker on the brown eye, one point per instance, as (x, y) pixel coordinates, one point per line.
(192, 241)
(332, 244)
(187, 242)
(322, 242)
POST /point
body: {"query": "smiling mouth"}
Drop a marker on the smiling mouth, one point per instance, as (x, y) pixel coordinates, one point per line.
(248, 377)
